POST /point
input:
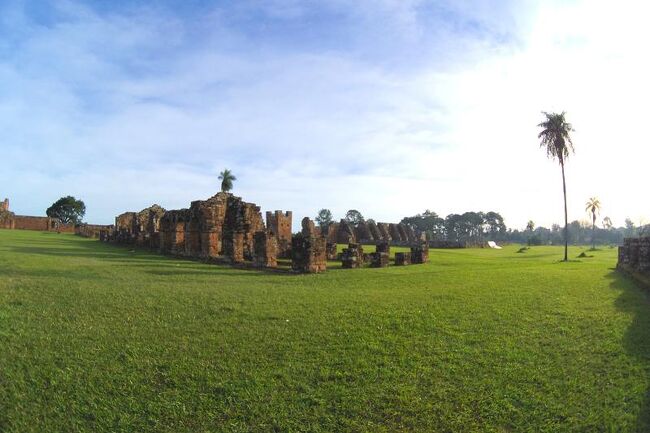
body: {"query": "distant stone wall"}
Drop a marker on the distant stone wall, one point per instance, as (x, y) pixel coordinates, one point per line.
(45, 224)
(91, 230)
(634, 256)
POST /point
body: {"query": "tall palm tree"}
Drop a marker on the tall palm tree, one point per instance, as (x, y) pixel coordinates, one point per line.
(226, 177)
(593, 207)
(557, 141)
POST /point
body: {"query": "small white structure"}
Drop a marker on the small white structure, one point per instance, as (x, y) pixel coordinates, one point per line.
(494, 245)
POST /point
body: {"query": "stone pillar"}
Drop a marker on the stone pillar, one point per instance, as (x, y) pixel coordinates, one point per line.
(352, 256)
(308, 254)
(379, 260)
(266, 250)
(420, 254)
(237, 247)
(383, 247)
(402, 259)
(331, 251)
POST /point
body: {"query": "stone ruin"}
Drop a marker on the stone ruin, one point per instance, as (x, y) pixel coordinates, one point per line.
(221, 228)
(369, 232)
(420, 253)
(6, 216)
(402, 259)
(224, 228)
(308, 253)
(266, 250)
(331, 251)
(92, 230)
(11, 221)
(634, 256)
(352, 256)
(345, 233)
(379, 259)
(279, 223)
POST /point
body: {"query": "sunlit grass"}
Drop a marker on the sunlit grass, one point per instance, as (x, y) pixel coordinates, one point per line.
(94, 337)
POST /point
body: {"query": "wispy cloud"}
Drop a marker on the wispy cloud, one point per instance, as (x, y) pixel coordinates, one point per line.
(388, 107)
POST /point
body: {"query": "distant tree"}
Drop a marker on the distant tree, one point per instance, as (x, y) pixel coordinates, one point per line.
(227, 178)
(68, 210)
(530, 226)
(630, 229)
(607, 223)
(556, 139)
(495, 225)
(354, 217)
(428, 222)
(593, 207)
(324, 218)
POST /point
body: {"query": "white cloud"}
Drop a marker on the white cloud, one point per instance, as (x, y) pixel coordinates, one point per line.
(127, 110)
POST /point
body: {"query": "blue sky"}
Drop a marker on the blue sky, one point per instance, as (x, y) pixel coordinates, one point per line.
(388, 107)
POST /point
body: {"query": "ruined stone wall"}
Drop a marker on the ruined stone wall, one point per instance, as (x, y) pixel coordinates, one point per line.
(331, 251)
(402, 259)
(395, 233)
(345, 233)
(244, 218)
(420, 253)
(204, 228)
(308, 254)
(362, 233)
(379, 259)
(125, 227)
(332, 232)
(172, 231)
(280, 224)
(374, 231)
(91, 230)
(146, 226)
(266, 250)
(7, 220)
(352, 256)
(24, 222)
(384, 231)
(634, 255)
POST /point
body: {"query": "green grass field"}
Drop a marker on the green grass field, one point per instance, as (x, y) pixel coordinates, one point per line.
(97, 338)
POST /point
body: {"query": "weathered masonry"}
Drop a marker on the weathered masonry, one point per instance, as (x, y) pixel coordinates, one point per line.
(9, 220)
(634, 258)
(226, 229)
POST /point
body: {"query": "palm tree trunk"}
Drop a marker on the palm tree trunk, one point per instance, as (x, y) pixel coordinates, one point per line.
(593, 231)
(566, 217)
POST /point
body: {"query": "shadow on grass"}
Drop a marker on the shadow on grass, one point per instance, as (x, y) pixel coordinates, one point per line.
(636, 301)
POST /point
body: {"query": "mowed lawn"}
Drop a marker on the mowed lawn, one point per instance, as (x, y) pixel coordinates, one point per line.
(98, 338)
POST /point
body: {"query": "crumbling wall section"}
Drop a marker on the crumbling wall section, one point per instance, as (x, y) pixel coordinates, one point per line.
(420, 253)
(345, 233)
(634, 255)
(280, 223)
(352, 256)
(308, 254)
(384, 231)
(362, 233)
(92, 230)
(266, 250)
